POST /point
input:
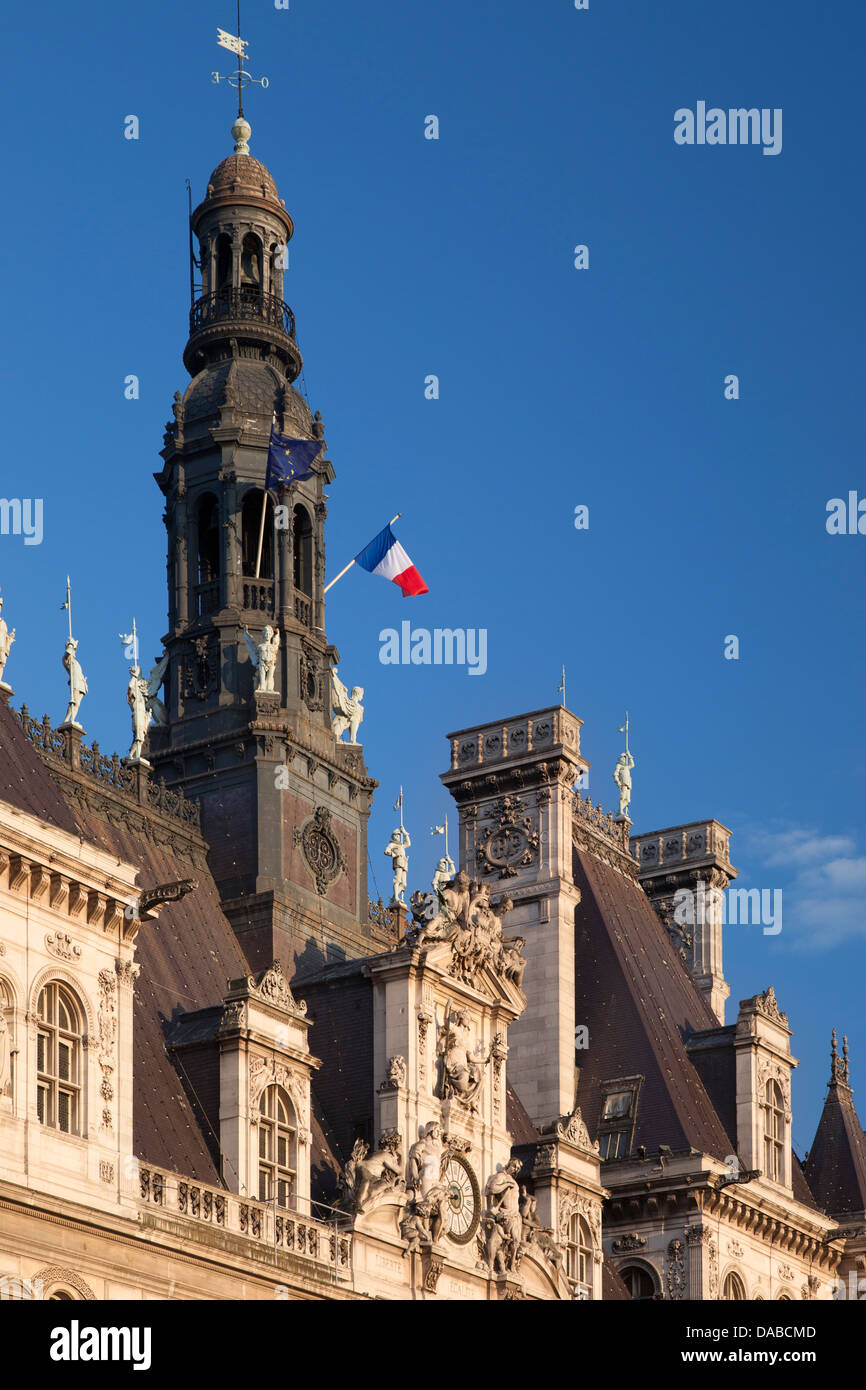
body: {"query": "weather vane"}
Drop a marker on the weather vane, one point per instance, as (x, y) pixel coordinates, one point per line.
(241, 78)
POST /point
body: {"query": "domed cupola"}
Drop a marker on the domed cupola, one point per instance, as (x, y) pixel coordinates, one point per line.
(243, 231)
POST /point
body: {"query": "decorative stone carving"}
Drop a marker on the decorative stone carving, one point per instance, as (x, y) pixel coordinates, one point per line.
(510, 843)
(768, 1005)
(501, 1236)
(107, 1022)
(61, 945)
(268, 1071)
(735, 1249)
(675, 1277)
(321, 849)
(463, 914)
(424, 1165)
(573, 1129)
(106, 1171)
(534, 1234)
(462, 1074)
(201, 669)
(435, 1264)
(396, 1077)
(310, 676)
(370, 1178)
(347, 710)
(274, 987)
(629, 1243)
(127, 972)
(151, 899)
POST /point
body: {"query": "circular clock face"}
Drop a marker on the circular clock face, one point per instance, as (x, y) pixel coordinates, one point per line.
(462, 1200)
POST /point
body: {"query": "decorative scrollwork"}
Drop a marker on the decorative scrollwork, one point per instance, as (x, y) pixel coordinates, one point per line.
(321, 849)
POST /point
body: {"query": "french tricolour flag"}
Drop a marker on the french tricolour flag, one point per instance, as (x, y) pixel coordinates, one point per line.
(386, 556)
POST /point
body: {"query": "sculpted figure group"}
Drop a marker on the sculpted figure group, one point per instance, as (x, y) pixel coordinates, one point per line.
(461, 912)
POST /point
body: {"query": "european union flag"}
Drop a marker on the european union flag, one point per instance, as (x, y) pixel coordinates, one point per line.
(289, 460)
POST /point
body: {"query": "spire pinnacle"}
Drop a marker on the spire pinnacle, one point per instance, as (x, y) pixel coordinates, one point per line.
(839, 1066)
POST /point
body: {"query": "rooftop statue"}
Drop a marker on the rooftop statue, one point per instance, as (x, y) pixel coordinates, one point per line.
(348, 712)
(263, 656)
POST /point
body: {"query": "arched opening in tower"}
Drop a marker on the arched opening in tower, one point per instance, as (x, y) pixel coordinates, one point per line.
(223, 266)
(251, 269)
(208, 574)
(252, 528)
(302, 551)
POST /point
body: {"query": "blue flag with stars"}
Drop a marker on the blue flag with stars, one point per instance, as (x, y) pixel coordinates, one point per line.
(289, 460)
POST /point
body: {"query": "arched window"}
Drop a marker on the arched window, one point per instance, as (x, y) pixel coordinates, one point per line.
(7, 1059)
(208, 589)
(639, 1282)
(732, 1289)
(579, 1255)
(251, 269)
(774, 1133)
(302, 550)
(223, 264)
(252, 529)
(58, 1059)
(278, 1140)
(208, 539)
(276, 266)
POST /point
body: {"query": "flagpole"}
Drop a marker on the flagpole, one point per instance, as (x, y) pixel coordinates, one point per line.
(69, 604)
(261, 531)
(346, 568)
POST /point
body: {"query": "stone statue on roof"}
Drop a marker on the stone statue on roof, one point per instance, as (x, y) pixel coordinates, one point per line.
(6, 640)
(622, 777)
(77, 683)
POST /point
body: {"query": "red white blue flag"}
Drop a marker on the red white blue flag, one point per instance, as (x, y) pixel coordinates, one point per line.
(386, 556)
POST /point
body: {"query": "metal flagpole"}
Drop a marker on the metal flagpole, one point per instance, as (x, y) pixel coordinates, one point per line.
(68, 604)
(346, 568)
(262, 531)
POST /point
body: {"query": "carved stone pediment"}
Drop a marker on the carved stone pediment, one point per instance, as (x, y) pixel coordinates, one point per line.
(573, 1130)
(273, 986)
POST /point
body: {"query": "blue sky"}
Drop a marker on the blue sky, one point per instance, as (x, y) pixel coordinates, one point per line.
(558, 387)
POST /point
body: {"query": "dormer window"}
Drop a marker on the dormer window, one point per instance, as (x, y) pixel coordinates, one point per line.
(617, 1118)
(774, 1132)
(278, 1139)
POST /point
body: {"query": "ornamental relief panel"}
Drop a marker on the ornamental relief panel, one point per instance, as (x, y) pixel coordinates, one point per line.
(509, 841)
(321, 850)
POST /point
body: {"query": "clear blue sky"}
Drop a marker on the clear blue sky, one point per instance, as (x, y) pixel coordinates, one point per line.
(558, 387)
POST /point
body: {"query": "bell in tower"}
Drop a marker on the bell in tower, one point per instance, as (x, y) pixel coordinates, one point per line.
(284, 803)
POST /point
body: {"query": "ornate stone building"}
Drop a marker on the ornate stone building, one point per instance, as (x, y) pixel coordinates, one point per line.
(224, 1073)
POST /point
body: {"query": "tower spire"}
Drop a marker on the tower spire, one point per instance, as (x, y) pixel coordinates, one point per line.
(241, 129)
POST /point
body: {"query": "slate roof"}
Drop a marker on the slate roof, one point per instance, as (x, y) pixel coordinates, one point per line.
(186, 956)
(836, 1166)
(26, 783)
(639, 1003)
